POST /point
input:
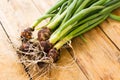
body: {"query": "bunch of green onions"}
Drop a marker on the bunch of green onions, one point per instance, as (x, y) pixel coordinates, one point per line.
(69, 19)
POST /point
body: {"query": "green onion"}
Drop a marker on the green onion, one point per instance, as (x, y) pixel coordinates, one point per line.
(82, 6)
(54, 37)
(52, 9)
(80, 30)
(41, 19)
(68, 19)
(100, 2)
(115, 17)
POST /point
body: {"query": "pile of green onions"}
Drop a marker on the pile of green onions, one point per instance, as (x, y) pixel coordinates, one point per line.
(67, 20)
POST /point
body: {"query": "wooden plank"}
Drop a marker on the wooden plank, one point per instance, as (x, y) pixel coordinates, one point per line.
(16, 15)
(67, 69)
(17, 18)
(10, 69)
(112, 29)
(98, 58)
(12, 16)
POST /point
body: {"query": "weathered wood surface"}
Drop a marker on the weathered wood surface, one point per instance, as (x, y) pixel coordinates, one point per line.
(97, 59)
(10, 68)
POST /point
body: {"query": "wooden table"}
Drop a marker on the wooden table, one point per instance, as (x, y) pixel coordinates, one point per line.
(96, 59)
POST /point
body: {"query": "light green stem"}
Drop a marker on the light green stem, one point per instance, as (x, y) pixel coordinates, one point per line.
(82, 6)
(115, 17)
(91, 27)
(48, 13)
(57, 5)
(86, 25)
(62, 42)
(41, 19)
(70, 10)
(110, 2)
(56, 22)
(59, 44)
(79, 16)
(100, 2)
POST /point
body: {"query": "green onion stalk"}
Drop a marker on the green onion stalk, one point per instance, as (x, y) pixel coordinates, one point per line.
(69, 19)
(76, 19)
(49, 12)
(63, 14)
(62, 36)
(56, 13)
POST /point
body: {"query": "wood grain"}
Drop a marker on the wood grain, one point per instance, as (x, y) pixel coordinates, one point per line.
(97, 59)
(10, 68)
(16, 15)
(112, 29)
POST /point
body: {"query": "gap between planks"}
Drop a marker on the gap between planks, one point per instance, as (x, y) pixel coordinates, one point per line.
(6, 27)
(12, 46)
(103, 32)
(110, 39)
(10, 68)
